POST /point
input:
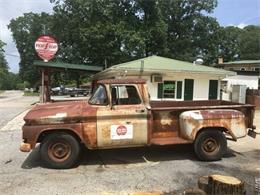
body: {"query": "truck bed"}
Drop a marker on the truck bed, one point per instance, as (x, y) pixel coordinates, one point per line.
(165, 114)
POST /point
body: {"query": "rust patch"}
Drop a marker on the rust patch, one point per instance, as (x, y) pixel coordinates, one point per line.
(55, 113)
(89, 123)
(165, 121)
(105, 133)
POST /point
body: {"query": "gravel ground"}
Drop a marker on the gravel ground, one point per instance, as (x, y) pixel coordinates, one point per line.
(121, 171)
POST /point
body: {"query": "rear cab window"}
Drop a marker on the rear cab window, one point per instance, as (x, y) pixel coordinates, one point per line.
(125, 95)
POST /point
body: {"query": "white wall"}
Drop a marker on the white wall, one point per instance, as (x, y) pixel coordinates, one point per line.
(200, 90)
(250, 81)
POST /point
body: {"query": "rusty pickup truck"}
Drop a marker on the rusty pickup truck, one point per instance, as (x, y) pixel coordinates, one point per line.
(120, 114)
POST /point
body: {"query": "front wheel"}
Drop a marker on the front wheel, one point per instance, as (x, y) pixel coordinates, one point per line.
(60, 150)
(210, 145)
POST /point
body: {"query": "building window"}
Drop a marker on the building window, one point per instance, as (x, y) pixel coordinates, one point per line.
(170, 89)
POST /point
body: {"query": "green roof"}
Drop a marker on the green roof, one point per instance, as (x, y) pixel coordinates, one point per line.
(62, 65)
(162, 64)
(243, 62)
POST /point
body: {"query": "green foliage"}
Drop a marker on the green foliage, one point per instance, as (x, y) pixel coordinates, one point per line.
(8, 80)
(119, 31)
(250, 43)
(25, 30)
(240, 44)
(3, 62)
(99, 32)
(22, 85)
(229, 47)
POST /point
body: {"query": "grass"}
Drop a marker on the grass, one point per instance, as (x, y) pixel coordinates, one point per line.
(28, 93)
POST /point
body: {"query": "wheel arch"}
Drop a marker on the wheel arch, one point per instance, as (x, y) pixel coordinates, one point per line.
(47, 132)
(219, 128)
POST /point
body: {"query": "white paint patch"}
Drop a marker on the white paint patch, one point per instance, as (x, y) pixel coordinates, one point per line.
(165, 118)
(196, 115)
(118, 132)
(59, 115)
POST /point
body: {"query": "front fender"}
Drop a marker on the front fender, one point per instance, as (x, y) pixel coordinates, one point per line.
(233, 121)
(31, 134)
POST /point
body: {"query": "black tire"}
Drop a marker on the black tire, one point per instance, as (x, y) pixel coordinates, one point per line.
(60, 151)
(210, 145)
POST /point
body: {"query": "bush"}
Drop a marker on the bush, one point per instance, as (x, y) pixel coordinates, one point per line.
(23, 85)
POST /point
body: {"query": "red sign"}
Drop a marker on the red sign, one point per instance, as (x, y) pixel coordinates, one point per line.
(46, 47)
(121, 130)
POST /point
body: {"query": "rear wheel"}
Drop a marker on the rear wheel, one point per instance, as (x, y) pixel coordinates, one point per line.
(60, 150)
(210, 145)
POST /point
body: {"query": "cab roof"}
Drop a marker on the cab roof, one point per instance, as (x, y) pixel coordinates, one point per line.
(122, 81)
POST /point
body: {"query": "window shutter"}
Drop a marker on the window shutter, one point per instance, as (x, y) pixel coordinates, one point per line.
(179, 89)
(160, 90)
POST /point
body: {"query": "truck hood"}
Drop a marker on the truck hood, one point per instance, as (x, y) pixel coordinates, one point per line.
(55, 113)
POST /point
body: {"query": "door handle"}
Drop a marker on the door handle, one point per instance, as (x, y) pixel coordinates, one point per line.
(140, 111)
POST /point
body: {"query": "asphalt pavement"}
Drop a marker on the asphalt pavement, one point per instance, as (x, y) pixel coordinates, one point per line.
(13, 103)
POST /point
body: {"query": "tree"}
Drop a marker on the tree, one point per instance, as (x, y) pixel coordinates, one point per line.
(188, 28)
(3, 62)
(25, 30)
(107, 32)
(118, 31)
(240, 44)
(229, 47)
(250, 43)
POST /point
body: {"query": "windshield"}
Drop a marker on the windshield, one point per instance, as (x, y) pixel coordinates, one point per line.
(99, 97)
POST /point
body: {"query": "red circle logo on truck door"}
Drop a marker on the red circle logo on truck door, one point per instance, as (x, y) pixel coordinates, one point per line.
(121, 130)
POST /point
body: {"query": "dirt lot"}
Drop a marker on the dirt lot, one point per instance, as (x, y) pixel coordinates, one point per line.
(122, 171)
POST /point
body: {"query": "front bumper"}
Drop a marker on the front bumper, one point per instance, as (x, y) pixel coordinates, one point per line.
(25, 147)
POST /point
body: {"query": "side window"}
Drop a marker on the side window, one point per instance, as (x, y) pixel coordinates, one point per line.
(170, 89)
(99, 97)
(125, 95)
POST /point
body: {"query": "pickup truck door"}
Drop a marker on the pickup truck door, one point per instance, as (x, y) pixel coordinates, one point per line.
(124, 122)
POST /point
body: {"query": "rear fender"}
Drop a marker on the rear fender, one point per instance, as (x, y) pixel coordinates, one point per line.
(230, 121)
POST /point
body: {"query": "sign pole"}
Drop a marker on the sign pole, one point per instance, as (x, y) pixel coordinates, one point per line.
(46, 48)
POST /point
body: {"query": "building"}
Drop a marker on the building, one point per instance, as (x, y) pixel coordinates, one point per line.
(170, 79)
(248, 73)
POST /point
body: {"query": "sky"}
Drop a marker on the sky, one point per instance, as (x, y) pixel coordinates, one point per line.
(238, 13)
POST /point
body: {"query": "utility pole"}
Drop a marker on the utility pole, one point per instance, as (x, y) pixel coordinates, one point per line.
(44, 29)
